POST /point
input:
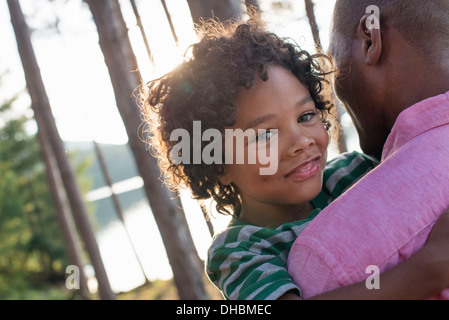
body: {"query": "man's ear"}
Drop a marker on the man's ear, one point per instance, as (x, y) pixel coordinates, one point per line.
(371, 39)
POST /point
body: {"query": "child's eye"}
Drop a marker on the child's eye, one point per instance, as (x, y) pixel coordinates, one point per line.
(307, 117)
(265, 135)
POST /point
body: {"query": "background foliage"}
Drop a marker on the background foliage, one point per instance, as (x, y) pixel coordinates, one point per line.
(32, 250)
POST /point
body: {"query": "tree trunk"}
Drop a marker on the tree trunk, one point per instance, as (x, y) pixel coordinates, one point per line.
(41, 108)
(211, 9)
(142, 31)
(166, 206)
(342, 147)
(170, 22)
(313, 25)
(116, 202)
(66, 223)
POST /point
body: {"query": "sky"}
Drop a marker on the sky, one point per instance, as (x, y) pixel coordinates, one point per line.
(72, 66)
(80, 91)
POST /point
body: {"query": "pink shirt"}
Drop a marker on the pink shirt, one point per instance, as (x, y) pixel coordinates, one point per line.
(386, 216)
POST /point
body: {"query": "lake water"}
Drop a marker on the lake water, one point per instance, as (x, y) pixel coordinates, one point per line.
(122, 266)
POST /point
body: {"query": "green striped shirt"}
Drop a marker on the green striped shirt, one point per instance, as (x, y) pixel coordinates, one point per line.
(247, 262)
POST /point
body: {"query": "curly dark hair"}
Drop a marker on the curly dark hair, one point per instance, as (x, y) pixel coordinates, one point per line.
(203, 88)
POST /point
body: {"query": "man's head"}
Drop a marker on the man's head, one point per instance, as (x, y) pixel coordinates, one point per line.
(383, 71)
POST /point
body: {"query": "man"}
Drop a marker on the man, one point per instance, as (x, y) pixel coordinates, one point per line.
(394, 81)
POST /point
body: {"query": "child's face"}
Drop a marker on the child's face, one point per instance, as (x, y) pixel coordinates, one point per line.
(281, 103)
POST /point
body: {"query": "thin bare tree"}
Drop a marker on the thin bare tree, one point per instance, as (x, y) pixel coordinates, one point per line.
(115, 200)
(342, 147)
(65, 219)
(41, 107)
(142, 31)
(165, 204)
(313, 24)
(170, 22)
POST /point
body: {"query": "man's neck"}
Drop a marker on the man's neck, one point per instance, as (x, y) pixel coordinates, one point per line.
(423, 84)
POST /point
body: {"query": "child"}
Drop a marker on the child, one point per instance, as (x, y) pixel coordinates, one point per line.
(244, 78)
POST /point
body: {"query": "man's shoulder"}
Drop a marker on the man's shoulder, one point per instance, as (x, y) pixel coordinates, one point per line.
(387, 209)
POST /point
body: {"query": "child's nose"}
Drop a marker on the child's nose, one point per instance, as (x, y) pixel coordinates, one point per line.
(300, 141)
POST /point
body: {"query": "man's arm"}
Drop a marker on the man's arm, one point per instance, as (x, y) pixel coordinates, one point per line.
(417, 278)
(423, 275)
(420, 277)
(382, 220)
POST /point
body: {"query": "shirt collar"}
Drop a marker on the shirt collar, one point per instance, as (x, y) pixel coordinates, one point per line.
(415, 120)
(237, 222)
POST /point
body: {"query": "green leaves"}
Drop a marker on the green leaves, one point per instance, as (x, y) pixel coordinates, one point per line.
(32, 250)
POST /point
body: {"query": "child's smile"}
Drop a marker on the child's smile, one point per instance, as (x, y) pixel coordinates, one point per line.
(284, 105)
(305, 170)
